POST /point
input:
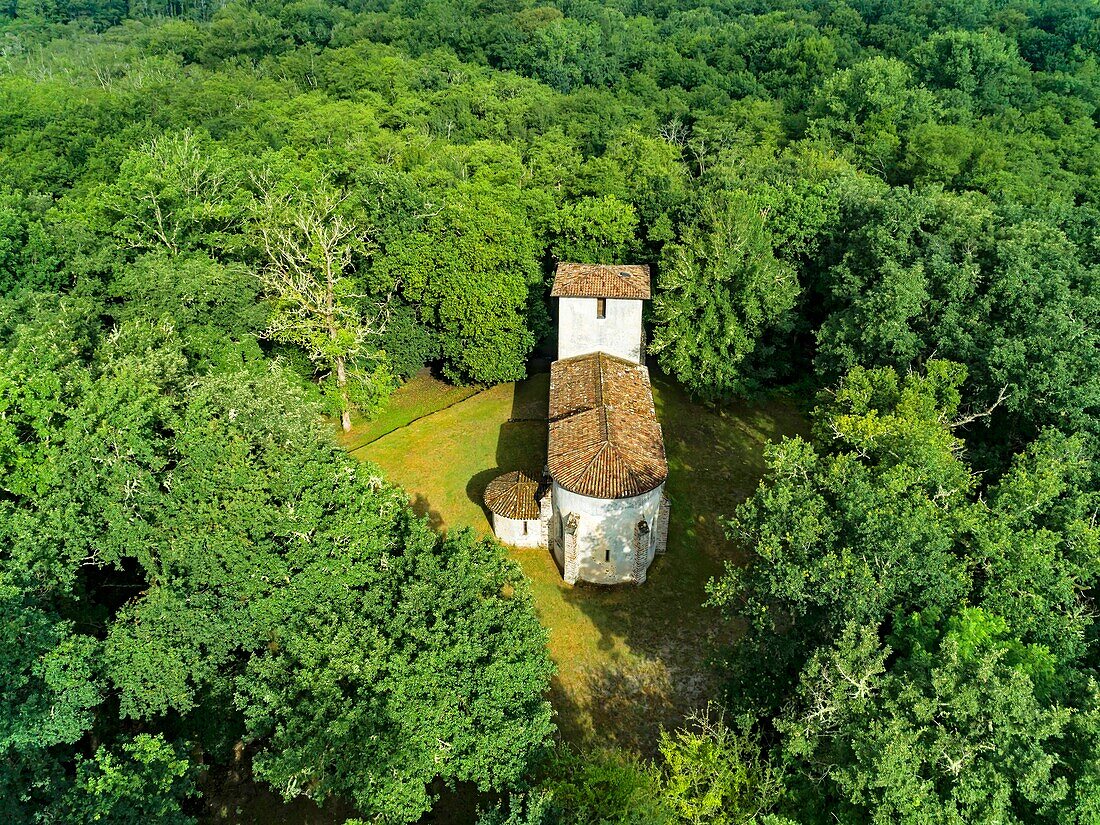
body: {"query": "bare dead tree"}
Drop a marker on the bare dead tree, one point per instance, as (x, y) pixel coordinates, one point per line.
(674, 132)
(176, 183)
(310, 247)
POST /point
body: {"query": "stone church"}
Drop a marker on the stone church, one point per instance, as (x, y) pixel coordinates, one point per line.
(600, 505)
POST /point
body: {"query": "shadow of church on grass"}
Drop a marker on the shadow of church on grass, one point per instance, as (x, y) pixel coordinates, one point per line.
(521, 441)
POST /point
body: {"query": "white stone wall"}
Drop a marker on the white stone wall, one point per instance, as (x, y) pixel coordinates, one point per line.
(581, 332)
(605, 531)
(510, 531)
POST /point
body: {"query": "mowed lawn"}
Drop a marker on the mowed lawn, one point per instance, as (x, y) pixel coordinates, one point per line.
(630, 659)
(423, 394)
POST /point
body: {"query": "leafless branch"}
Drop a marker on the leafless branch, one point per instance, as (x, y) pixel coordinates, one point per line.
(968, 419)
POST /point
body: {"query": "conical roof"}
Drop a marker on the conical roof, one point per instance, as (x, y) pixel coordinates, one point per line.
(513, 495)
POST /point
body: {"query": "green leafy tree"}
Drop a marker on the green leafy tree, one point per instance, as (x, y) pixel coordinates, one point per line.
(179, 191)
(145, 780)
(962, 728)
(213, 308)
(369, 656)
(401, 679)
(608, 787)
(408, 343)
(1038, 295)
(75, 469)
(51, 688)
(716, 774)
(719, 290)
(918, 648)
(471, 270)
(908, 260)
(868, 110)
(28, 254)
(978, 70)
(239, 31)
(595, 230)
(101, 15)
(921, 275)
(561, 51)
(654, 179)
(534, 808)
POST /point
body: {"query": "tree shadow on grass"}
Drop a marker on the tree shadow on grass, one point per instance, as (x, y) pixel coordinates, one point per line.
(475, 489)
(422, 507)
(652, 667)
(623, 706)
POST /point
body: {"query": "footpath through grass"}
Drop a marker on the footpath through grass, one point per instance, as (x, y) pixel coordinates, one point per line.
(630, 659)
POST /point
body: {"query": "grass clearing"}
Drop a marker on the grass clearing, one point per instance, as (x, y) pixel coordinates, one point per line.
(423, 394)
(630, 659)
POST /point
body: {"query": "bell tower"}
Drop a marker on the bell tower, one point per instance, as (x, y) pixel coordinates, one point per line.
(600, 309)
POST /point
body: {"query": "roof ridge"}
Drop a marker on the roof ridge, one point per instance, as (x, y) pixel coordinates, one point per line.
(605, 447)
(595, 353)
(599, 398)
(605, 440)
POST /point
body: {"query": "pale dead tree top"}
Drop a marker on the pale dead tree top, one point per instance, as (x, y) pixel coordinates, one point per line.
(674, 132)
(180, 157)
(1002, 396)
(310, 246)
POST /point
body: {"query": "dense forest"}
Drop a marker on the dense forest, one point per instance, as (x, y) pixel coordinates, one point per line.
(225, 226)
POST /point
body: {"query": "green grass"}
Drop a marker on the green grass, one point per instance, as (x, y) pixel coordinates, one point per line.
(630, 659)
(445, 460)
(423, 394)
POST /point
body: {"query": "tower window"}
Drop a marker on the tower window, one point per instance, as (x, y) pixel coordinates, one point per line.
(601, 307)
(607, 554)
(525, 528)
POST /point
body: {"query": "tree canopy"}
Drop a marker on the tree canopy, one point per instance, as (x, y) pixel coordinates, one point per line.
(182, 549)
(221, 221)
(921, 648)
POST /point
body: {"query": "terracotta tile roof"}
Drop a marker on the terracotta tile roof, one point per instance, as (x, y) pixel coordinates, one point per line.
(586, 381)
(601, 281)
(605, 441)
(513, 495)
